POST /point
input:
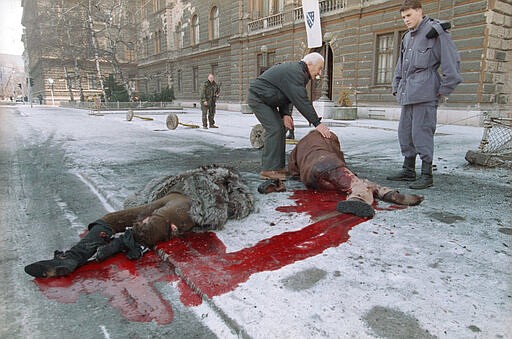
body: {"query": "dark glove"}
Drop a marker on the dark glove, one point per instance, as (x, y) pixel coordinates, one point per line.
(433, 33)
(133, 249)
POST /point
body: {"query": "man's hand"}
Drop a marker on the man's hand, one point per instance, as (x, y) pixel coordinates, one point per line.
(324, 130)
(288, 122)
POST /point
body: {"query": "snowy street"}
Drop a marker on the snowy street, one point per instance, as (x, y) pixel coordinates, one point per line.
(295, 268)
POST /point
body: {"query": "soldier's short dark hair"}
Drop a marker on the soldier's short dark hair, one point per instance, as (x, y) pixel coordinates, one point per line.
(410, 4)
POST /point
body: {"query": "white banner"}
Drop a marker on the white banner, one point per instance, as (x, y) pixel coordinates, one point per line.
(311, 11)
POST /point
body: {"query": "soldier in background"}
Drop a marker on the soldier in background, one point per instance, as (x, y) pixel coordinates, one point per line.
(210, 91)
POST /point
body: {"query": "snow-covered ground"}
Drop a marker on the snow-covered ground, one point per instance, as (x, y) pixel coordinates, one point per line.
(441, 269)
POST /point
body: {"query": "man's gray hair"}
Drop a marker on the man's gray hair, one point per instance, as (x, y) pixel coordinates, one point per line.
(313, 58)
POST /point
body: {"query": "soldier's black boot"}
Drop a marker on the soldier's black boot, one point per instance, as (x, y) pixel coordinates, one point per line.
(426, 179)
(408, 172)
(64, 263)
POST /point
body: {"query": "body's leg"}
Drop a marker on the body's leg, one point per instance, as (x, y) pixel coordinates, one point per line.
(64, 263)
(360, 196)
(120, 220)
(171, 219)
(361, 192)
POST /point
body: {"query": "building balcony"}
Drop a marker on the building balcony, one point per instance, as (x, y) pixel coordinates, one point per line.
(275, 21)
(269, 22)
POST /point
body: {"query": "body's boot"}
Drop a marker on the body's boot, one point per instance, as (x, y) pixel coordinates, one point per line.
(64, 263)
(356, 207)
(403, 199)
(426, 179)
(408, 172)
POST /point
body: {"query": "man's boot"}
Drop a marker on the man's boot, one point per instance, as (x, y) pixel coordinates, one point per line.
(426, 179)
(408, 172)
(402, 199)
(356, 207)
(64, 263)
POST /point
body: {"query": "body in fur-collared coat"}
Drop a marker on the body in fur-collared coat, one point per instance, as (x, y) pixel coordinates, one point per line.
(204, 197)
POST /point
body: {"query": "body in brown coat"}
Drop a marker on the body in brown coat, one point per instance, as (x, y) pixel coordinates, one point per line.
(320, 164)
(205, 197)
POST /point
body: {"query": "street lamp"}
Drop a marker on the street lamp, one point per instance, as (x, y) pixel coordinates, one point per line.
(50, 81)
(325, 81)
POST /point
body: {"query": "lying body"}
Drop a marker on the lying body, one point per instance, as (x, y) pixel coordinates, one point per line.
(205, 197)
(320, 164)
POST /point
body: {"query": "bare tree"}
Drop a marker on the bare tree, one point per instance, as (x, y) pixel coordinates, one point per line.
(78, 34)
(115, 29)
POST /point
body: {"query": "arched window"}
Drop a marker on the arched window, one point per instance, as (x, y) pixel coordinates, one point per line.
(214, 23)
(194, 34)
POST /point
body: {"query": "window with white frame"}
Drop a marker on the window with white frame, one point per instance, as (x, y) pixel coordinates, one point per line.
(385, 58)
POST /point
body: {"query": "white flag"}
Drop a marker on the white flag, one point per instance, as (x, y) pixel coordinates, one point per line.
(311, 12)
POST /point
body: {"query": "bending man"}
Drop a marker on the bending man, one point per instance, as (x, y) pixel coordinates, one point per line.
(270, 97)
(206, 197)
(320, 164)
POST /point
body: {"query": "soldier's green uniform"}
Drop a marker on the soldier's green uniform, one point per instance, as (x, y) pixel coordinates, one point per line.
(209, 92)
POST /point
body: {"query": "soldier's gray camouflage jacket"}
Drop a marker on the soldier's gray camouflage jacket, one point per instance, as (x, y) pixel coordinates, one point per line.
(416, 78)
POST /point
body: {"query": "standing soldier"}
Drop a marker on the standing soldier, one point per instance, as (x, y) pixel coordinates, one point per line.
(418, 87)
(209, 93)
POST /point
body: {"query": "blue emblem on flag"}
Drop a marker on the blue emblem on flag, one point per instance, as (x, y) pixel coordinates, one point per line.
(310, 18)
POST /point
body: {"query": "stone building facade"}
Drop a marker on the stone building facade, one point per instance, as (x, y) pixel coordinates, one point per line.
(178, 43)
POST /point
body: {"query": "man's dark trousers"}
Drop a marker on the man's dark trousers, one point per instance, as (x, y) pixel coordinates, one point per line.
(208, 113)
(274, 148)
